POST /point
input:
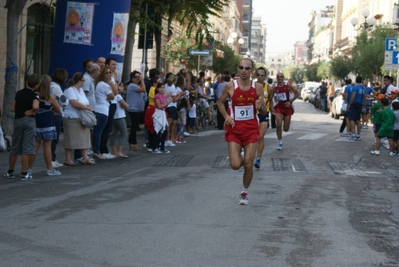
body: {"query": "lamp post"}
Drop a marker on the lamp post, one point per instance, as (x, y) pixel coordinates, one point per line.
(232, 41)
(368, 23)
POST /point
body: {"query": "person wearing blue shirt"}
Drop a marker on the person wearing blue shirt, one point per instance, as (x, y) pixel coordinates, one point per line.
(345, 123)
(355, 104)
(365, 112)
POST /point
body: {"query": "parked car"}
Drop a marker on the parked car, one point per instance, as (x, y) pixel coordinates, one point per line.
(305, 91)
(337, 104)
(313, 95)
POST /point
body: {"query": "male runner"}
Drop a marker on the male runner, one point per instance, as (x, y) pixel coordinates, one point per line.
(263, 119)
(283, 106)
(241, 123)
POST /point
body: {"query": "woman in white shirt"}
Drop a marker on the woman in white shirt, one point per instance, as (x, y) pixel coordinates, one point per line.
(103, 94)
(59, 77)
(119, 126)
(76, 135)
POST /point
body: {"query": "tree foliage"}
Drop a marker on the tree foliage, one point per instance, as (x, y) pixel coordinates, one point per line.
(323, 70)
(368, 52)
(340, 67)
(311, 72)
(193, 14)
(228, 62)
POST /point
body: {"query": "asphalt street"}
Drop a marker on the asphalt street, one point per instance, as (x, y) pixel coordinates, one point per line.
(322, 201)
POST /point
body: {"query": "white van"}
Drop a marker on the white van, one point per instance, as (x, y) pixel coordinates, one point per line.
(304, 94)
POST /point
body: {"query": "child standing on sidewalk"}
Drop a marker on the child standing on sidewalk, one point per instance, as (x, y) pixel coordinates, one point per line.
(192, 115)
(182, 119)
(387, 118)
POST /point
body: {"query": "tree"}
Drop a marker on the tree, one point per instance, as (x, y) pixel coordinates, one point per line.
(193, 14)
(298, 74)
(311, 72)
(340, 67)
(323, 70)
(228, 62)
(14, 10)
(368, 52)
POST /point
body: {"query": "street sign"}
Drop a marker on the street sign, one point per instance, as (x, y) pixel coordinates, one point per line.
(395, 56)
(391, 44)
(200, 53)
(207, 61)
(391, 59)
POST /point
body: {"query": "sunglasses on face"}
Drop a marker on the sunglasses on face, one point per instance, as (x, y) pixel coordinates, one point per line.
(260, 75)
(107, 72)
(244, 67)
(136, 77)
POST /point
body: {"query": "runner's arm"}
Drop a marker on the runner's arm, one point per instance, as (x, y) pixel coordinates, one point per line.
(225, 94)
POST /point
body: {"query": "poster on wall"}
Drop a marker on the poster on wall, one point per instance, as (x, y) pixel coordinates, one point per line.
(79, 23)
(118, 33)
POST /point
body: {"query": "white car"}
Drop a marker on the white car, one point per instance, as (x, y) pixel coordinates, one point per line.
(306, 89)
(337, 104)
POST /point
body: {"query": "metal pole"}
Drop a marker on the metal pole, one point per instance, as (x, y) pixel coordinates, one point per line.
(198, 70)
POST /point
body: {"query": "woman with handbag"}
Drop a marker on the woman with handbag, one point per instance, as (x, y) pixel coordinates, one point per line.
(76, 135)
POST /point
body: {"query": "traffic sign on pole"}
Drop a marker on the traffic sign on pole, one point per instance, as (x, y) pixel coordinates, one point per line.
(200, 53)
(395, 55)
(391, 44)
(391, 59)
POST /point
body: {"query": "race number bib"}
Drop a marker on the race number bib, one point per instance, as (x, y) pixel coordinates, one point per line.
(281, 97)
(243, 113)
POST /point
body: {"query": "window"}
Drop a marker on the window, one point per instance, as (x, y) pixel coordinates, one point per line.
(39, 37)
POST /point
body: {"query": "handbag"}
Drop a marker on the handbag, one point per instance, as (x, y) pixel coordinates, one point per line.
(87, 118)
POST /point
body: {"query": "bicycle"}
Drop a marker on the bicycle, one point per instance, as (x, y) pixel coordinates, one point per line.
(214, 108)
(201, 120)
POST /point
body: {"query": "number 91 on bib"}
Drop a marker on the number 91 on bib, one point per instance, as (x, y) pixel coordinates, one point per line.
(243, 113)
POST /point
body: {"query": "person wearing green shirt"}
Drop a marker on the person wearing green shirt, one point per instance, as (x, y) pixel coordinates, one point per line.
(387, 119)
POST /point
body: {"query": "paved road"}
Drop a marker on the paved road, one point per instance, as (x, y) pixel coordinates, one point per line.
(322, 201)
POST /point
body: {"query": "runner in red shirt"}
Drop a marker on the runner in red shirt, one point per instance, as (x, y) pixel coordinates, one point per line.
(241, 123)
(283, 95)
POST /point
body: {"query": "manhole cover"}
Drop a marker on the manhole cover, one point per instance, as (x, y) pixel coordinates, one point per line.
(294, 165)
(174, 160)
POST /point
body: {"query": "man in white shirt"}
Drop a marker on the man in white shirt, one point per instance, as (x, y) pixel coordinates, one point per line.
(388, 85)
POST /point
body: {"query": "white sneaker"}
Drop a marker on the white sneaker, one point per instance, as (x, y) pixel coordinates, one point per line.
(375, 152)
(391, 154)
(243, 198)
(111, 156)
(56, 164)
(53, 172)
(156, 151)
(108, 156)
(280, 147)
(169, 143)
(89, 152)
(186, 134)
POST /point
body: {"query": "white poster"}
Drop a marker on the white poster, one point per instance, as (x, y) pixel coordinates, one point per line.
(118, 33)
(79, 23)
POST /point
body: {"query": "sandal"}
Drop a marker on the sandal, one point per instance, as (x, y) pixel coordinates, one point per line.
(69, 163)
(121, 155)
(98, 156)
(88, 162)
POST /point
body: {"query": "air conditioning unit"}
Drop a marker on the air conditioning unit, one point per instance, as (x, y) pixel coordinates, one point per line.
(395, 18)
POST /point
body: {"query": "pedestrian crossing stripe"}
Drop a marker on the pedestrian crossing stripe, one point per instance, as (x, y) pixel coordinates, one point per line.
(273, 135)
(313, 136)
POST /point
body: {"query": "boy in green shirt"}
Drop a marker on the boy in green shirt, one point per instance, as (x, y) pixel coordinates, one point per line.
(387, 119)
